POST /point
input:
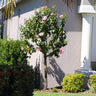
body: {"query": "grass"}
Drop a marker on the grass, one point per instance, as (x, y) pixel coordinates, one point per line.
(36, 93)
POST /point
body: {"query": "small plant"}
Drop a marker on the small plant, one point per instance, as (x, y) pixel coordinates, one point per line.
(73, 83)
(93, 81)
(35, 89)
(54, 90)
(49, 89)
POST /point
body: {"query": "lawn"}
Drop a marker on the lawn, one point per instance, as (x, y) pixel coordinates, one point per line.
(62, 94)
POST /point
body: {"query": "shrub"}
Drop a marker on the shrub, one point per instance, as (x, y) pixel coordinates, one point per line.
(16, 76)
(4, 80)
(13, 52)
(54, 90)
(93, 81)
(23, 80)
(73, 83)
(16, 80)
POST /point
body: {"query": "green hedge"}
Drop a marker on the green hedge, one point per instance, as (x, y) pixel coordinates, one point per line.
(73, 83)
(93, 81)
(16, 76)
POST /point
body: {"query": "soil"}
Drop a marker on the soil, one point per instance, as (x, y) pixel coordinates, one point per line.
(59, 90)
(50, 90)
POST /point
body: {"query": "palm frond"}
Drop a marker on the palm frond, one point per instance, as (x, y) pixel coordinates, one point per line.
(94, 2)
(9, 7)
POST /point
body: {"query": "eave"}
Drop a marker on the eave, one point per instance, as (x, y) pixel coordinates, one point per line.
(17, 1)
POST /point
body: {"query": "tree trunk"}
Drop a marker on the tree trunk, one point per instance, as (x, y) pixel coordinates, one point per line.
(45, 71)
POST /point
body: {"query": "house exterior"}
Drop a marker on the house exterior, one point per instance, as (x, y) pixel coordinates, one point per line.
(80, 52)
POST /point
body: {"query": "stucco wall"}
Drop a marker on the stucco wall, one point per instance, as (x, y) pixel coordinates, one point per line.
(94, 40)
(69, 61)
(26, 8)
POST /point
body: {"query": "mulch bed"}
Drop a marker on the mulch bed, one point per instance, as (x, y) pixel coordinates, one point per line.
(50, 90)
(59, 90)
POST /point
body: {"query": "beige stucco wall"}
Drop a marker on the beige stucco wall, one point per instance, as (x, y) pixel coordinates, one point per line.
(94, 41)
(26, 10)
(69, 61)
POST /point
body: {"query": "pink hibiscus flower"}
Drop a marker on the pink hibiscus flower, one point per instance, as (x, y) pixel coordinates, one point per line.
(44, 18)
(24, 19)
(22, 48)
(61, 16)
(61, 51)
(52, 14)
(41, 34)
(44, 7)
(42, 22)
(34, 11)
(37, 50)
(36, 36)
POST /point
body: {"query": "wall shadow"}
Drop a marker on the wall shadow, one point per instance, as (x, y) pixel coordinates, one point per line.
(91, 2)
(27, 6)
(37, 75)
(93, 66)
(55, 71)
(39, 78)
(41, 81)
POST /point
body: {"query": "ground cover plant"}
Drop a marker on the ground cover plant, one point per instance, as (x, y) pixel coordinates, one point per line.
(47, 32)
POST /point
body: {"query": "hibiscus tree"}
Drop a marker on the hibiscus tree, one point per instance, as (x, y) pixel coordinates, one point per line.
(47, 32)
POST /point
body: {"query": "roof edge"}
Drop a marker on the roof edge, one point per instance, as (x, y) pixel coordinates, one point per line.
(87, 9)
(17, 1)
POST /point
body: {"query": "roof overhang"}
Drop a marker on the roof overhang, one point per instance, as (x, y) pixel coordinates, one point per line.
(87, 9)
(17, 1)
